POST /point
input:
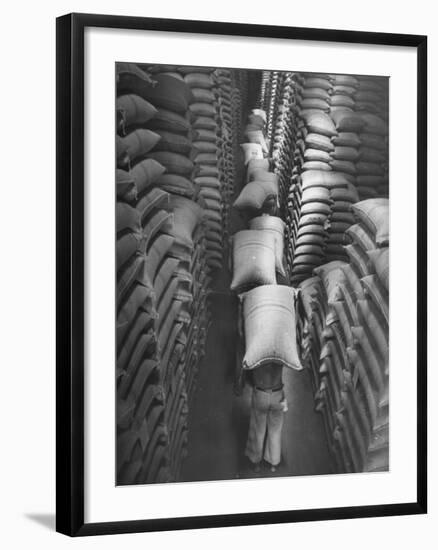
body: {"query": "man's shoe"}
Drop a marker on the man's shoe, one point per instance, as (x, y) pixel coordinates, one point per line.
(257, 468)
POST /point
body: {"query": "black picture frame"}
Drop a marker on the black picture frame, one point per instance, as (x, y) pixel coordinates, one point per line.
(70, 273)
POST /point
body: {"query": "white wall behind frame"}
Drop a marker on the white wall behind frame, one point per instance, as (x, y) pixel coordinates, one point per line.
(28, 64)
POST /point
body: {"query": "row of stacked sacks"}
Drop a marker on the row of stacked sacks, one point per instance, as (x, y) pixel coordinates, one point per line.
(344, 335)
(335, 139)
(162, 276)
(283, 142)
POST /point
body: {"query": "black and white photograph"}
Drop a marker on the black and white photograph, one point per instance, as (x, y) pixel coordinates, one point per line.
(252, 256)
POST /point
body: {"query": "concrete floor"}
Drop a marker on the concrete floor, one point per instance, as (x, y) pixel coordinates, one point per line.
(218, 421)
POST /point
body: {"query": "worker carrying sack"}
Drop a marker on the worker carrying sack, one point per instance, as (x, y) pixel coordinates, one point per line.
(252, 151)
(276, 226)
(270, 327)
(253, 259)
(254, 195)
(319, 122)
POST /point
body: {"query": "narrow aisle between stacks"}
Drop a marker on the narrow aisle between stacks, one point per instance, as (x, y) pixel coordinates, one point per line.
(219, 420)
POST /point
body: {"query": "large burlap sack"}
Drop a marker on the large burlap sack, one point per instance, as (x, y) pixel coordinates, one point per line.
(318, 82)
(205, 123)
(175, 143)
(375, 291)
(316, 194)
(157, 251)
(320, 123)
(125, 186)
(169, 121)
(345, 153)
(374, 214)
(316, 165)
(347, 121)
(208, 182)
(252, 151)
(138, 143)
(256, 164)
(315, 178)
(203, 95)
(154, 199)
(315, 93)
(131, 78)
(257, 120)
(134, 109)
(203, 109)
(270, 327)
(346, 139)
(204, 147)
(374, 141)
(344, 166)
(316, 155)
(313, 103)
(254, 195)
(201, 134)
(257, 136)
(376, 327)
(260, 113)
(342, 100)
(369, 154)
(199, 80)
(349, 193)
(276, 225)
(253, 258)
(370, 169)
(177, 185)
(373, 124)
(315, 208)
(380, 261)
(173, 162)
(331, 274)
(317, 141)
(343, 90)
(264, 175)
(361, 237)
(186, 216)
(127, 218)
(168, 92)
(345, 80)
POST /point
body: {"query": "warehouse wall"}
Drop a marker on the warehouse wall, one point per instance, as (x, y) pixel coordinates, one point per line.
(28, 506)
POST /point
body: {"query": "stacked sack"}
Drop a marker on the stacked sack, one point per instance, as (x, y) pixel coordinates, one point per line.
(344, 335)
(155, 173)
(143, 226)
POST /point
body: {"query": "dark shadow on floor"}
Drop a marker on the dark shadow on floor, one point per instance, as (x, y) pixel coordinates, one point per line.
(46, 520)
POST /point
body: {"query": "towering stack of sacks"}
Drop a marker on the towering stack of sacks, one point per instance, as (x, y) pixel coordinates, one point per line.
(344, 335)
(283, 142)
(168, 187)
(340, 132)
(372, 169)
(206, 157)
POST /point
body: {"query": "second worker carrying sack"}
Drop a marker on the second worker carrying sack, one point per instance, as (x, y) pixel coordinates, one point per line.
(270, 327)
(253, 259)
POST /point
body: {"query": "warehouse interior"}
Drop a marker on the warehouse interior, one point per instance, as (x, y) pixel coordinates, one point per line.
(205, 158)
